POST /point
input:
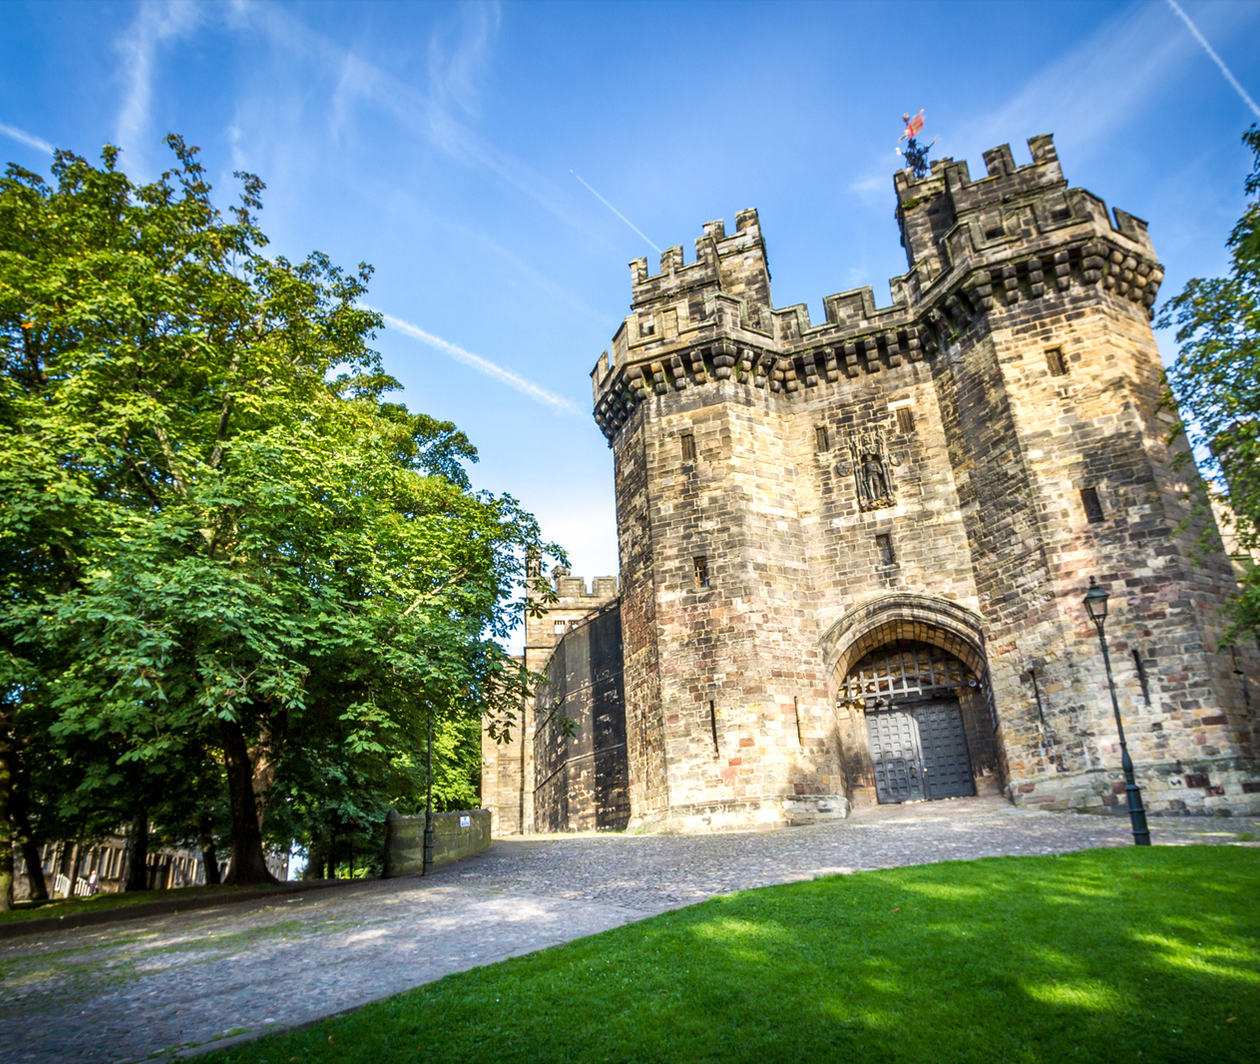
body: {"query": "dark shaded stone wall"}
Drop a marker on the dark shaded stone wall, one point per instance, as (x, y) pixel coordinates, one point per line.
(580, 781)
(457, 834)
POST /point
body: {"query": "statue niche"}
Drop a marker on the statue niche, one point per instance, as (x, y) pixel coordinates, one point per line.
(872, 470)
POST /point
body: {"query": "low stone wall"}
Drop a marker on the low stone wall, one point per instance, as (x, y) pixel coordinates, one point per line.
(455, 835)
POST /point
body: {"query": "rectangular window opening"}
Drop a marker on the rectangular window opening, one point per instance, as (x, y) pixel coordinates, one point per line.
(561, 627)
(1092, 504)
(821, 440)
(1140, 665)
(1055, 362)
(905, 419)
(700, 570)
(688, 447)
(884, 547)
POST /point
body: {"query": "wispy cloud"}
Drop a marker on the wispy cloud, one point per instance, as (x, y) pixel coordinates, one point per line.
(433, 114)
(1229, 75)
(1125, 60)
(156, 22)
(459, 53)
(484, 366)
(22, 137)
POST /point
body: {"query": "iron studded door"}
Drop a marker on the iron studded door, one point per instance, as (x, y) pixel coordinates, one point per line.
(895, 755)
(943, 744)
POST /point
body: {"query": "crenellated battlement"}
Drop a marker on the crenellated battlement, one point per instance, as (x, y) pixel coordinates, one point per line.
(947, 220)
(571, 589)
(974, 247)
(733, 265)
(557, 604)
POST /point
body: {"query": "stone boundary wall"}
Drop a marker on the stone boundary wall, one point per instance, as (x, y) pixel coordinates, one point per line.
(456, 835)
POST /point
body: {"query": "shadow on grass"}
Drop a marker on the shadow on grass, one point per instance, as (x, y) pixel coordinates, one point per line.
(1136, 955)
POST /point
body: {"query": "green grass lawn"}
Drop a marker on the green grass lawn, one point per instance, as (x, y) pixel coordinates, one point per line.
(1110, 955)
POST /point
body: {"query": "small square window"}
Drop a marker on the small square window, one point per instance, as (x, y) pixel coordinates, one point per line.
(905, 419)
(1092, 504)
(822, 441)
(561, 627)
(884, 548)
(700, 571)
(647, 326)
(1055, 362)
(688, 447)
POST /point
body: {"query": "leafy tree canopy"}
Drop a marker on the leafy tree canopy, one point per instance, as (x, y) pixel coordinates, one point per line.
(1216, 382)
(226, 558)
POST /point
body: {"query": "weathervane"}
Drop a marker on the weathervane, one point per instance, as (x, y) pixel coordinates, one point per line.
(915, 154)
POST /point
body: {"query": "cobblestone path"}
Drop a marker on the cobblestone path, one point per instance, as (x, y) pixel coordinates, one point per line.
(180, 984)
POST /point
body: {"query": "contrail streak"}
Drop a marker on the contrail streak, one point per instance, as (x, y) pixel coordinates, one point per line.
(1215, 58)
(481, 365)
(29, 139)
(615, 211)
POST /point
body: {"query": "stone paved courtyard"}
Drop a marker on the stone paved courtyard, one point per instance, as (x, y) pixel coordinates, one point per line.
(180, 984)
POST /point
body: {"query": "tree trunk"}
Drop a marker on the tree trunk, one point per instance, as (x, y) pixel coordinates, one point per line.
(249, 864)
(36, 886)
(137, 872)
(75, 860)
(316, 860)
(209, 856)
(19, 815)
(6, 827)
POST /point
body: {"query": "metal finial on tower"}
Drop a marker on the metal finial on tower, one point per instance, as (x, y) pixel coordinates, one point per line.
(915, 153)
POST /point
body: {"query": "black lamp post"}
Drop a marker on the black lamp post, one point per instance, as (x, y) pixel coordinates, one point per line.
(427, 865)
(1096, 606)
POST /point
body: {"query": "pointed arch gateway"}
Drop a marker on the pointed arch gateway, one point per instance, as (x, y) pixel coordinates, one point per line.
(914, 713)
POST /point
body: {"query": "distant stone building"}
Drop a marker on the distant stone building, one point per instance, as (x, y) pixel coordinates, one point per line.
(853, 553)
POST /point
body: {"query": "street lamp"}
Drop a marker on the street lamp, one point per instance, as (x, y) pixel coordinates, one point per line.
(426, 865)
(1096, 607)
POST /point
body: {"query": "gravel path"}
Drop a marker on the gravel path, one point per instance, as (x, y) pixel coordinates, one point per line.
(176, 985)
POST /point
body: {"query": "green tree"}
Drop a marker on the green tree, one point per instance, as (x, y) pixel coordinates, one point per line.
(224, 553)
(1215, 380)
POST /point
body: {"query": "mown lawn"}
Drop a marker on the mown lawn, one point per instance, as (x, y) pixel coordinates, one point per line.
(1110, 955)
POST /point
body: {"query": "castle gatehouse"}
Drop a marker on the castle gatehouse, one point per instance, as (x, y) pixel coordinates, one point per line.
(853, 552)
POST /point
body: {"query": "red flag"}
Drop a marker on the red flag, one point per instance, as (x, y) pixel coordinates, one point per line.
(914, 125)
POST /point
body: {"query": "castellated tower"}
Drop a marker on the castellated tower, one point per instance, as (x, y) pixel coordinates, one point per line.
(548, 777)
(853, 553)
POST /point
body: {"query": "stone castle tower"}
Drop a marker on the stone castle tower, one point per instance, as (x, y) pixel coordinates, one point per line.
(853, 553)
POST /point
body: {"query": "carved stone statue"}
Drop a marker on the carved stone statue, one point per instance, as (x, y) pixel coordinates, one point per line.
(871, 470)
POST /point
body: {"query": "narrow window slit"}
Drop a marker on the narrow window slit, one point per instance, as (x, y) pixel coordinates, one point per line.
(1092, 504)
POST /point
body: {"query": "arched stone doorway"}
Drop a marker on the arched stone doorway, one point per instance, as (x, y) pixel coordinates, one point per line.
(914, 714)
(924, 711)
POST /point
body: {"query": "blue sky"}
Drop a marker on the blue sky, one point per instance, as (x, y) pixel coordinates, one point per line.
(444, 143)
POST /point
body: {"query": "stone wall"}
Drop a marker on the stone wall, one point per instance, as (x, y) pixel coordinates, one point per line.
(456, 835)
(580, 731)
(554, 607)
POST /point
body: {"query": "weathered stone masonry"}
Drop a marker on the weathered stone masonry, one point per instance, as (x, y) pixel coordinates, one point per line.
(853, 553)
